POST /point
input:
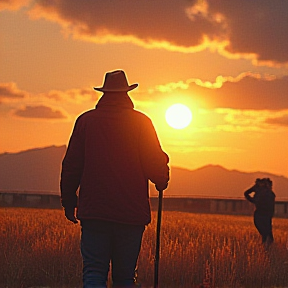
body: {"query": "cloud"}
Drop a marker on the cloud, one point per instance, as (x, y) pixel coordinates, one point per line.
(13, 4)
(76, 96)
(278, 121)
(250, 93)
(257, 27)
(243, 120)
(188, 147)
(170, 87)
(250, 29)
(246, 91)
(10, 91)
(40, 112)
(238, 121)
(146, 23)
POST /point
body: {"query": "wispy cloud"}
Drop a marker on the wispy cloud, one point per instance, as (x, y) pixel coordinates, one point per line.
(9, 91)
(40, 112)
(279, 121)
(73, 95)
(251, 93)
(246, 91)
(180, 148)
(13, 4)
(251, 120)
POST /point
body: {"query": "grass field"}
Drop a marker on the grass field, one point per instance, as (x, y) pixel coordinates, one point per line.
(39, 248)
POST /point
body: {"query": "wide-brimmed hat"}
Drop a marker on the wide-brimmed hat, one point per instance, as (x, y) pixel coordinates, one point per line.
(116, 81)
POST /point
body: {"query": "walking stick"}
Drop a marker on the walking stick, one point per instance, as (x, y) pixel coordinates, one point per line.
(156, 268)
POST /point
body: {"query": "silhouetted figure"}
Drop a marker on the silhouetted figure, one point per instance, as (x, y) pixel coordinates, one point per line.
(112, 153)
(264, 201)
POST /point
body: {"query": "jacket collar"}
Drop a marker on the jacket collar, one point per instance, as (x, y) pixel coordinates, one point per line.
(121, 100)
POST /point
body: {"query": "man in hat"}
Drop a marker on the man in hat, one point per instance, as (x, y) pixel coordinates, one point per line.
(112, 153)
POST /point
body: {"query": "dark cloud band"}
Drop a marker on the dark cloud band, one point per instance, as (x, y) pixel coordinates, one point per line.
(40, 112)
(242, 28)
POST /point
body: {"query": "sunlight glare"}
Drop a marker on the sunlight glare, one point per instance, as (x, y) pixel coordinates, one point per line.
(178, 116)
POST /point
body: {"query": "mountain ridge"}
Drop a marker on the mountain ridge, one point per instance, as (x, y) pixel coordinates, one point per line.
(38, 169)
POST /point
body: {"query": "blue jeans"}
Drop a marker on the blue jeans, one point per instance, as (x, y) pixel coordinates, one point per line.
(102, 242)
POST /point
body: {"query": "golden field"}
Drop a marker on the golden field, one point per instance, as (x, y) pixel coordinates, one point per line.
(40, 248)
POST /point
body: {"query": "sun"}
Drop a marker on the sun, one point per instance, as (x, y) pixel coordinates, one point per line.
(178, 116)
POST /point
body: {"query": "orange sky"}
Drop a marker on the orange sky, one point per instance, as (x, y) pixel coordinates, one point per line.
(226, 60)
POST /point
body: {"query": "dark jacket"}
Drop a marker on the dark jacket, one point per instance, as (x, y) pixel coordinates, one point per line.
(263, 199)
(112, 153)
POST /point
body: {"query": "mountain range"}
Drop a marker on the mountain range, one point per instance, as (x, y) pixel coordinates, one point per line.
(38, 170)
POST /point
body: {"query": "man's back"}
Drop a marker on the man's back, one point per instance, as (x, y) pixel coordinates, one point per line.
(118, 151)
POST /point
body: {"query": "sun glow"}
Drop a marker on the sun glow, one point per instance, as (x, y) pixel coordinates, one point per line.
(178, 116)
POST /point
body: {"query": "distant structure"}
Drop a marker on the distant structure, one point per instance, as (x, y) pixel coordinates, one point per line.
(214, 205)
(42, 199)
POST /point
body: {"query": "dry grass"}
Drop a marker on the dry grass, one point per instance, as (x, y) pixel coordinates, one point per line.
(39, 248)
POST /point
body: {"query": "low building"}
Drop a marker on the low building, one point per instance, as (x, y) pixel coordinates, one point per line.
(33, 199)
(231, 206)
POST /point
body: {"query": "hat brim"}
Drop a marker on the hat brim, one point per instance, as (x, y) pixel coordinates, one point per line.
(125, 89)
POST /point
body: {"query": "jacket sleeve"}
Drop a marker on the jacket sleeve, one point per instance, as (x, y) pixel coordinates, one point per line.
(247, 194)
(154, 160)
(72, 168)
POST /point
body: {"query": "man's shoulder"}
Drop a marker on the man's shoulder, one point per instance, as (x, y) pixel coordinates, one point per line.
(86, 113)
(135, 114)
(140, 115)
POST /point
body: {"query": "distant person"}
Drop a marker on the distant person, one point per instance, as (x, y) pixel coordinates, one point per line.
(112, 153)
(264, 201)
